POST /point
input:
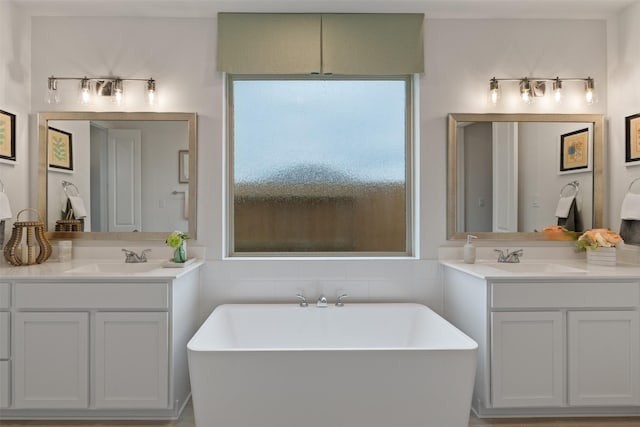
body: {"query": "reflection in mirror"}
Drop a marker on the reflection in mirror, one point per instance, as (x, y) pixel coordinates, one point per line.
(126, 174)
(511, 175)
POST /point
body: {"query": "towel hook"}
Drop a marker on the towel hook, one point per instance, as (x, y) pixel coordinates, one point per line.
(631, 184)
(574, 184)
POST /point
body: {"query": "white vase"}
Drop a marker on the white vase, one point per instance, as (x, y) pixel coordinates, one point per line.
(602, 256)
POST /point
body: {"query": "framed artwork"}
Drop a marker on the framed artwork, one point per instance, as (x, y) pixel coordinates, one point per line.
(7, 136)
(632, 131)
(60, 150)
(183, 166)
(574, 151)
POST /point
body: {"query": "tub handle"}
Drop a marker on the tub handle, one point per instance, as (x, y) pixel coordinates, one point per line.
(303, 300)
(339, 302)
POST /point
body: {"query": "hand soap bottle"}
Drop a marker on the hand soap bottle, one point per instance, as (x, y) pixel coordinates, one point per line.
(470, 250)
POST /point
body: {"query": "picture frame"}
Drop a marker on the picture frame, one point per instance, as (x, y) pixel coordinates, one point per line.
(183, 166)
(575, 152)
(7, 136)
(632, 139)
(60, 150)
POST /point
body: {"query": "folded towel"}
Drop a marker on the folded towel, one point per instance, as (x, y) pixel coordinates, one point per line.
(564, 204)
(630, 206)
(5, 207)
(79, 211)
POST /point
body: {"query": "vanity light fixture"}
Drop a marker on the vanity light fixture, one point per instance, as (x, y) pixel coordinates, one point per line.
(100, 86)
(535, 87)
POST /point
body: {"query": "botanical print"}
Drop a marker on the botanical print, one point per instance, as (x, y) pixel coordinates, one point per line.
(60, 149)
(575, 150)
(7, 141)
(633, 138)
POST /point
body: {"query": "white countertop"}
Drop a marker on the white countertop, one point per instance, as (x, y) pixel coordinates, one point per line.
(555, 268)
(61, 270)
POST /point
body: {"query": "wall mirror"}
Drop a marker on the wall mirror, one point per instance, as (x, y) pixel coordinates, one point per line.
(507, 173)
(125, 174)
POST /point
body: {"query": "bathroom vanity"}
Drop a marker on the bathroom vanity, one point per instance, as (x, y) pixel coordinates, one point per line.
(555, 338)
(100, 340)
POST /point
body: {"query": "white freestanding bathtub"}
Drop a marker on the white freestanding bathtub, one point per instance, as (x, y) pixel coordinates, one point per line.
(361, 365)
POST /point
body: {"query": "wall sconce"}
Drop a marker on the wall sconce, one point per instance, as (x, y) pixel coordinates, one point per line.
(535, 87)
(100, 86)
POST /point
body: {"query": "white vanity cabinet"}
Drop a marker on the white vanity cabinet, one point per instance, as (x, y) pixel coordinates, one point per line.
(101, 348)
(550, 345)
(132, 360)
(51, 360)
(5, 345)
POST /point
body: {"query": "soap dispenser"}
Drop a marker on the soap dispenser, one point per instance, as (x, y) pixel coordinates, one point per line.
(470, 250)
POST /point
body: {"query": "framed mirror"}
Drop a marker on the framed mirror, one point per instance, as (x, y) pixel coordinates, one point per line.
(117, 176)
(507, 174)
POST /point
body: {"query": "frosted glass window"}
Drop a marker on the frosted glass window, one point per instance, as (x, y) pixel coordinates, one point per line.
(319, 165)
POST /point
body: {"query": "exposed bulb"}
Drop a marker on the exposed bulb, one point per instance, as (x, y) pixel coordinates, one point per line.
(589, 91)
(85, 91)
(525, 91)
(494, 91)
(118, 91)
(53, 97)
(557, 90)
(151, 92)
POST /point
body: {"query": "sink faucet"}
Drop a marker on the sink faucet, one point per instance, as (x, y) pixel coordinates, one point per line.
(132, 257)
(509, 257)
(322, 301)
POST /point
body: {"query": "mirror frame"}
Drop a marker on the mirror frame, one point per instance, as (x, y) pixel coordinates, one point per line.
(452, 185)
(43, 124)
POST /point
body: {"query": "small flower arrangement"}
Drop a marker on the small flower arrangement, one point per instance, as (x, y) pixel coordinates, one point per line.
(176, 238)
(598, 238)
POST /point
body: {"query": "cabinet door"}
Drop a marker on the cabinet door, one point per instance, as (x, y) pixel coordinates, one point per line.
(132, 360)
(527, 359)
(603, 358)
(51, 360)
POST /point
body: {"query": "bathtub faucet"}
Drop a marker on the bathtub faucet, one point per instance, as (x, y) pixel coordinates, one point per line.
(322, 302)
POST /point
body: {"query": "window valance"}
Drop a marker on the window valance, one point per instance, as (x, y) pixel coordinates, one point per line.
(300, 43)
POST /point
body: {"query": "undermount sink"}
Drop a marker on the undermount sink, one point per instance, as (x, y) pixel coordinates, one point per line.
(115, 268)
(530, 267)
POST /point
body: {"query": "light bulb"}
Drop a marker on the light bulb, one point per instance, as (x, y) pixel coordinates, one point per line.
(494, 91)
(118, 91)
(525, 91)
(557, 90)
(589, 91)
(151, 92)
(53, 97)
(85, 91)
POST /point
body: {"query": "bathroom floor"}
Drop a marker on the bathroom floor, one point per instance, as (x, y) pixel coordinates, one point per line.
(187, 421)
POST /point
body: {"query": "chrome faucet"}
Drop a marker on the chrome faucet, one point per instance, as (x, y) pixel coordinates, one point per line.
(339, 302)
(322, 302)
(132, 257)
(509, 257)
(303, 300)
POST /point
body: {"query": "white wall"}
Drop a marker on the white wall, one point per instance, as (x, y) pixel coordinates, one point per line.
(624, 100)
(15, 81)
(461, 57)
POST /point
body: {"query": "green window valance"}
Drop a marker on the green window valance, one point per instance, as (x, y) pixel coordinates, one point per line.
(292, 43)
